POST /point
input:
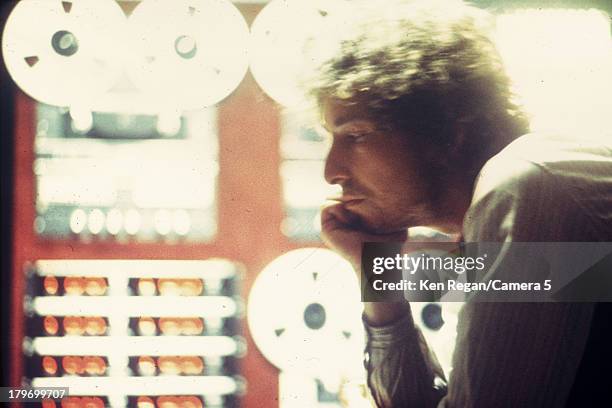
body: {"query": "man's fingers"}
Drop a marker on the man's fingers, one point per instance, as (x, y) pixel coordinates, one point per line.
(336, 217)
(339, 213)
(340, 231)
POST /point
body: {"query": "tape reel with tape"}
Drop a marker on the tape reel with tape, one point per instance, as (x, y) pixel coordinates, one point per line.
(280, 36)
(187, 53)
(64, 53)
(304, 313)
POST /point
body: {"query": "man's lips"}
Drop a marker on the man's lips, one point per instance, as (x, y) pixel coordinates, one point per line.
(347, 199)
(353, 202)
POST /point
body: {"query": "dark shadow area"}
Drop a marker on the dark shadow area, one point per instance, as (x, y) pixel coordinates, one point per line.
(7, 124)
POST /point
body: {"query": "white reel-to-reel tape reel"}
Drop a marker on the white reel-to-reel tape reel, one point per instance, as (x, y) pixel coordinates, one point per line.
(304, 314)
(175, 55)
(283, 32)
(64, 52)
(188, 53)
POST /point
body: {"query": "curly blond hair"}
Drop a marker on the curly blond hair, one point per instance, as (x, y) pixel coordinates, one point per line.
(427, 67)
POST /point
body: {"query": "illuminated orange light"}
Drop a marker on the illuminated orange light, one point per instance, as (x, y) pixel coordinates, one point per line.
(146, 287)
(168, 287)
(95, 326)
(92, 402)
(95, 286)
(74, 325)
(72, 365)
(190, 402)
(191, 287)
(146, 326)
(47, 403)
(94, 365)
(170, 326)
(49, 365)
(51, 325)
(51, 285)
(71, 402)
(74, 285)
(191, 365)
(169, 365)
(145, 402)
(167, 402)
(192, 326)
(86, 402)
(146, 365)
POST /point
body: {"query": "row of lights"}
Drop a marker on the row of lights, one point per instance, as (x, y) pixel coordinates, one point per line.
(75, 285)
(75, 325)
(75, 365)
(168, 286)
(75, 402)
(170, 365)
(141, 402)
(82, 121)
(170, 326)
(169, 402)
(147, 326)
(97, 286)
(114, 221)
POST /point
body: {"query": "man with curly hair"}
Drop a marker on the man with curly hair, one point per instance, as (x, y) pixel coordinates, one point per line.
(426, 132)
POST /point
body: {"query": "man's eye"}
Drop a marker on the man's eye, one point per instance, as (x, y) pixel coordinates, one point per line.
(356, 137)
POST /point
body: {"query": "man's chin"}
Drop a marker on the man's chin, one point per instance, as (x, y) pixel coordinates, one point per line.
(374, 221)
(379, 227)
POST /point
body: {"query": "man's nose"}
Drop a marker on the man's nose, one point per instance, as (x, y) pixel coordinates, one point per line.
(336, 170)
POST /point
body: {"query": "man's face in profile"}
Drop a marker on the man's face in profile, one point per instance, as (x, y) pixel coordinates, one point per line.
(382, 183)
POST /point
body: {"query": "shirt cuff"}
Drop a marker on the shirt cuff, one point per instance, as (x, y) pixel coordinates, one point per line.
(385, 336)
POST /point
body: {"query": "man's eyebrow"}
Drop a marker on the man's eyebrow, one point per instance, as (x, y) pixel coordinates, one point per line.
(342, 121)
